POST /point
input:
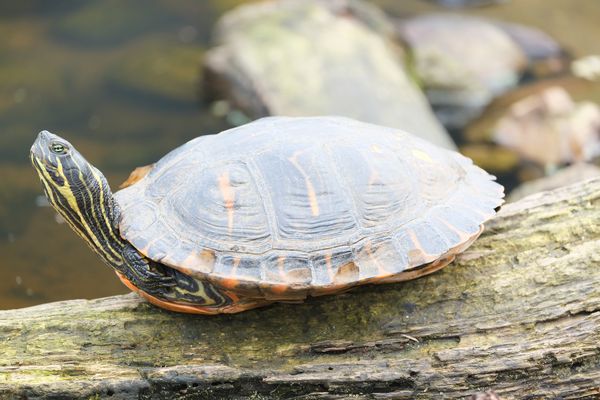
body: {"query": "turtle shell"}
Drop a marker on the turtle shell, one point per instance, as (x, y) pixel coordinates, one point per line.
(282, 208)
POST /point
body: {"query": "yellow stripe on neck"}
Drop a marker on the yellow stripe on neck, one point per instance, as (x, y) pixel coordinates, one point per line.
(67, 193)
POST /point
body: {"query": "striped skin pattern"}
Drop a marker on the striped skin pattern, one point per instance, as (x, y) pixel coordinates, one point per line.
(285, 208)
(81, 195)
(78, 194)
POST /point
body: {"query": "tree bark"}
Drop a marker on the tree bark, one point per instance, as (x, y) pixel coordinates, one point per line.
(519, 313)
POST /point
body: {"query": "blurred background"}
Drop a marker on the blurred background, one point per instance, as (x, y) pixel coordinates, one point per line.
(512, 84)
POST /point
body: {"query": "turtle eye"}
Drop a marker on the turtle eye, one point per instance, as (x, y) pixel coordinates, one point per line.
(58, 148)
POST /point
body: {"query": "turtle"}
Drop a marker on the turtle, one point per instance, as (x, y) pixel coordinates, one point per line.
(277, 210)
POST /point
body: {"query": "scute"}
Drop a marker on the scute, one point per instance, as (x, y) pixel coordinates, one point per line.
(308, 199)
(384, 187)
(283, 208)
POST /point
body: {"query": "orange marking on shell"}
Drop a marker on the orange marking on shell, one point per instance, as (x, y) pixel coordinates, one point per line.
(229, 283)
(464, 236)
(147, 247)
(136, 175)
(329, 266)
(299, 275)
(414, 273)
(228, 194)
(373, 257)
(202, 261)
(280, 265)
(144, 250)
(279, 289)
(347, 273)
(312, 195)
(418, 252)
(186, 271)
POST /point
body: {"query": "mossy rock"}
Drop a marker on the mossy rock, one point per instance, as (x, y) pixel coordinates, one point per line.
(162, 69)
(302, 58)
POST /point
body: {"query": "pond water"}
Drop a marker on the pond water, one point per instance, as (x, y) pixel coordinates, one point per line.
(121, 80)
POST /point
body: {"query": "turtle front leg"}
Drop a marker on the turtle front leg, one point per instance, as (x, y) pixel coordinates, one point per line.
(171, 289)
(140, 272)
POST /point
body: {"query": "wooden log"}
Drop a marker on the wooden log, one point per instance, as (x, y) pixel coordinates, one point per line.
(518, 313)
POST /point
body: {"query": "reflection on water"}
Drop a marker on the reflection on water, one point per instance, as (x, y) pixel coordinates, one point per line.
(120, 81)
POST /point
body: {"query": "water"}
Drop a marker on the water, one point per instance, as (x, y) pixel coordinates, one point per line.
(121, 81)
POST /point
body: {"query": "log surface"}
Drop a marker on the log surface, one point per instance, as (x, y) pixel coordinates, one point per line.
(519, 312)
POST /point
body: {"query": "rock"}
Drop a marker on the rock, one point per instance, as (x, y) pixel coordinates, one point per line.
(463, 62)
(479, 134)
(564, 177)
(536, 44)
(317, 57)
(550, 128)
(163, 69)
(587, 67)
(546, 57)
(482, 128)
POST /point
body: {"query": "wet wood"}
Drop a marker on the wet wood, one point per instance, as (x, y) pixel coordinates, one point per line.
(518, 313)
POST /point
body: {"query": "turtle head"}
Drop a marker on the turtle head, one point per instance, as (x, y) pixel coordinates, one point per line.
(78, 192)
(59, 164)
(73, 185)
(81, 194)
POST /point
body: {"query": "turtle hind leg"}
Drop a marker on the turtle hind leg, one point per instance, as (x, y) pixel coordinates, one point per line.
(231, 306)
